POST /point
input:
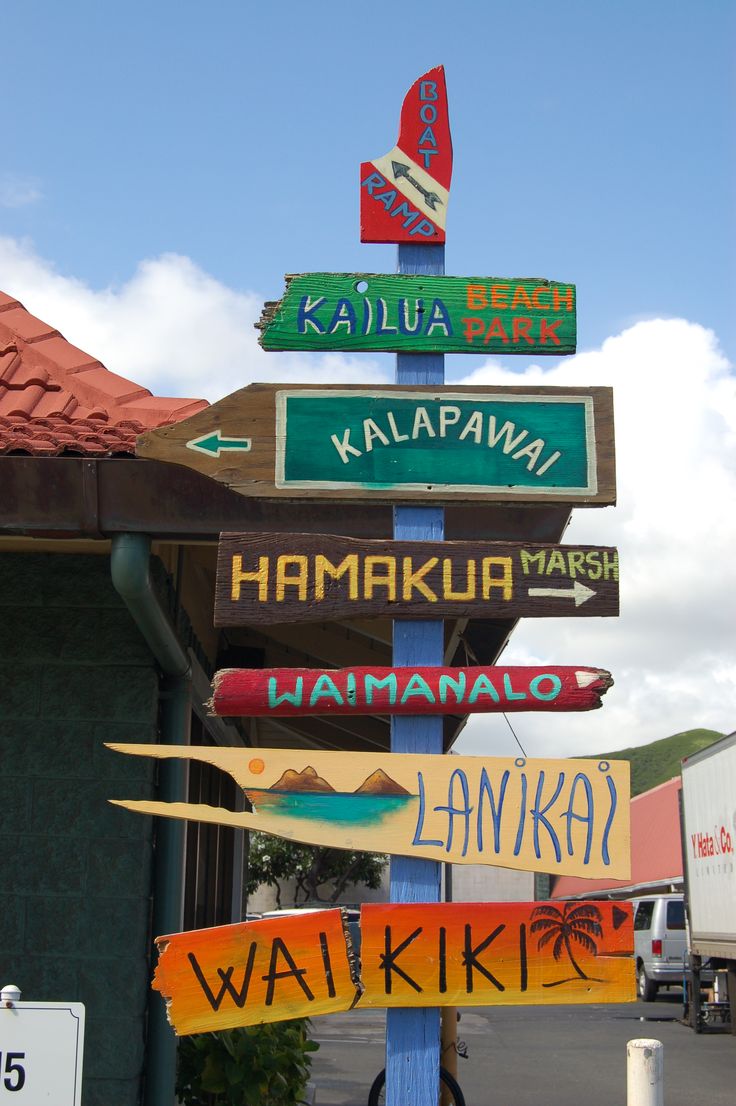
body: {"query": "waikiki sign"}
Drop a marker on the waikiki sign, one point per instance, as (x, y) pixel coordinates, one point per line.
(430, 314)
(402, 442)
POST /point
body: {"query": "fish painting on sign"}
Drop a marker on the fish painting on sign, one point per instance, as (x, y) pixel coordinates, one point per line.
(557, 816)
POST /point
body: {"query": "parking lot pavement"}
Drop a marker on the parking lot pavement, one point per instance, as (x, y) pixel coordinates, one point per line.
(541, 1055)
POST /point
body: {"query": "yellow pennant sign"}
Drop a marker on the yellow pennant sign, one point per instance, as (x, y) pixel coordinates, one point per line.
(557, 816)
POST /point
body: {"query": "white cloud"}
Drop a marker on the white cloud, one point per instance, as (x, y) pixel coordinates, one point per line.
(172, 327)
(17, 190)
(672, 652)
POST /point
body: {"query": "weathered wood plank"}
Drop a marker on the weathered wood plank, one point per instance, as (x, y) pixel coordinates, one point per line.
(402, 443)
(557, 816)
(496, 954)
(404, 194)
(252, 972)
(271, 578)
(370, 312)
(293, 692)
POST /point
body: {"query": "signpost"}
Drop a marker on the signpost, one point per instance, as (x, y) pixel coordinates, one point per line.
(469, 954)
(421, 314)
(564, 817)
(418, 445)
(296, 692)
(268, 578)
(402, 443)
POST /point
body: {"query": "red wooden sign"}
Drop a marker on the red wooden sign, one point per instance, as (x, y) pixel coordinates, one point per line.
(404, 194)
(290, 692)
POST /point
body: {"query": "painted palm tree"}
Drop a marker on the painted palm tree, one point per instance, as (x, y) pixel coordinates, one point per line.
(576, 922)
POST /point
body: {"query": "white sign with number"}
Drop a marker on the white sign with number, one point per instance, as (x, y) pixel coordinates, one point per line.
(41, 1049)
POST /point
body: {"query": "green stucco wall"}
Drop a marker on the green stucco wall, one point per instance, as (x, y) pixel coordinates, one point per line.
(76, 871)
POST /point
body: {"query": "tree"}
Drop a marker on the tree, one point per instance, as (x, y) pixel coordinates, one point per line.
(274, 861)
(577, 922)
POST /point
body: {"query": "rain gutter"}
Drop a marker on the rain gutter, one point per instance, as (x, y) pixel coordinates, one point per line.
(130, 560)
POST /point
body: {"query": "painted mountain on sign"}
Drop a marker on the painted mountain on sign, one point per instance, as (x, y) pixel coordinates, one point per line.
(378, 783)
(306, 780)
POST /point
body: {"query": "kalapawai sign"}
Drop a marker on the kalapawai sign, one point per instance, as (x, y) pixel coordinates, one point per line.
(523, 445)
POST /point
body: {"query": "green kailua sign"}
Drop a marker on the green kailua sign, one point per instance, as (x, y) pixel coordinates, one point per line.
(440, 314)
(426, 440)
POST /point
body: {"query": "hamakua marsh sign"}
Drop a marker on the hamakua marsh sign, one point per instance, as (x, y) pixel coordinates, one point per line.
(264, 579)
(402, 443)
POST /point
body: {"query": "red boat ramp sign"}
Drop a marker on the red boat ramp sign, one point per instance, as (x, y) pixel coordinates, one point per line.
(404, 194)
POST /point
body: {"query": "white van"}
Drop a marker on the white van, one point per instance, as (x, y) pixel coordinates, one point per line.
(660, 943)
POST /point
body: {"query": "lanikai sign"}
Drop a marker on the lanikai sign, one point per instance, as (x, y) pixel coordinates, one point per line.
(354, 311)
(270, 578)
(557, 816)
(524, 445)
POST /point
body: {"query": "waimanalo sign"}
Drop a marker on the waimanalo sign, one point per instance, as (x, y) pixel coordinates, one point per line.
(404, 194)
(295, 692)
(269, 578)
(424, 954)
(557, 816)
(524, 445)
(366, 312)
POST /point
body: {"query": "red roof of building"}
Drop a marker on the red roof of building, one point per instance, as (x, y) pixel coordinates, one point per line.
(656, 850)
(56, 399)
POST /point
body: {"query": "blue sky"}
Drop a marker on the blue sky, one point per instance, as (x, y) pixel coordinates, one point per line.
(593, 142)
(165, 164)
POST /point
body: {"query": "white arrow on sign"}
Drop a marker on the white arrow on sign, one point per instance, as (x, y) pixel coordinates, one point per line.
(213, 444)
(579, 592)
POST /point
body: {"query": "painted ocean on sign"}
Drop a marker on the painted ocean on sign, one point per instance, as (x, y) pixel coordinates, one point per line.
(306, 795)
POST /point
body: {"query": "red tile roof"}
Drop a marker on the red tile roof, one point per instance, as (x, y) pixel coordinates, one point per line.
(57, 399)
(656, 850)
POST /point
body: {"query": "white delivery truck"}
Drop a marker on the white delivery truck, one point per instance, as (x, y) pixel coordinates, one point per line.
(709, 847)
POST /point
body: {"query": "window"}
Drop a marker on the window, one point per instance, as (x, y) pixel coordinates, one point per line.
(644, 912)
(676, 914)
(211, 851)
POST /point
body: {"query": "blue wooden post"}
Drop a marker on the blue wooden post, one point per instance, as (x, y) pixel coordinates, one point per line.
(413, 1035)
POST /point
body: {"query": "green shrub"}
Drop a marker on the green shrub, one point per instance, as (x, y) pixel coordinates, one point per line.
(258, 1065)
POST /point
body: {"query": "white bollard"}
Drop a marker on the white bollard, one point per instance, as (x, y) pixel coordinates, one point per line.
(644, 1073)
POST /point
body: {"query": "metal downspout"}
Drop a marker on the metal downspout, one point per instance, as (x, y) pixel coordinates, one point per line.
(130, 570)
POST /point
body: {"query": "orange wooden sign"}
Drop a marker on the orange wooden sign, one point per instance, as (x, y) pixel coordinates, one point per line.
(291, 967)
(412, 954)
(488, 954)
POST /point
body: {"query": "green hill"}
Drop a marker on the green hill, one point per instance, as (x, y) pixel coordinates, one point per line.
(659, 761)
